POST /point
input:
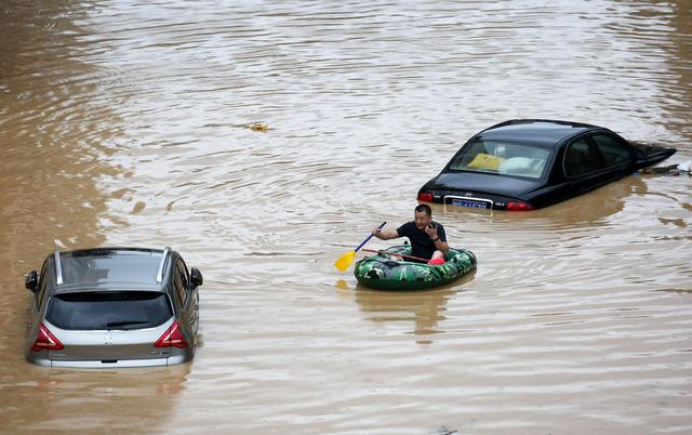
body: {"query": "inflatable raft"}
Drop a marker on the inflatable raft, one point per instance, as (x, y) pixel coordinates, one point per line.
(382, 272)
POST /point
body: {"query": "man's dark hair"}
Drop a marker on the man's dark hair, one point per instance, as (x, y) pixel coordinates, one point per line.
(425, 208)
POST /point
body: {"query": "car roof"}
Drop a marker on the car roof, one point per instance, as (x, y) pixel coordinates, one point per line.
(543, 132)
(110, 269)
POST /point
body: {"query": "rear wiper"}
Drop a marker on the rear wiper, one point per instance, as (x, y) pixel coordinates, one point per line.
(125, 323)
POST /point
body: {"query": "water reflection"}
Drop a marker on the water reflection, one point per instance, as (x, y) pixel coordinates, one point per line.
(423, 309)
(585, 210)
(82, 401)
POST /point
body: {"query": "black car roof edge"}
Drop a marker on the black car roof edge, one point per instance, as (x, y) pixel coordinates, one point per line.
(530, 120)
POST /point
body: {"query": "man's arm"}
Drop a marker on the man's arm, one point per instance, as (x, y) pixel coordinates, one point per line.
(441, 246)
(385, 234)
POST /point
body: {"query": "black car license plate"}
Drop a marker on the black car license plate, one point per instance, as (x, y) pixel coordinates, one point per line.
(469, 203)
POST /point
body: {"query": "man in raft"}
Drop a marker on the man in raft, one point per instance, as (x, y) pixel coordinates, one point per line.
(428, 238)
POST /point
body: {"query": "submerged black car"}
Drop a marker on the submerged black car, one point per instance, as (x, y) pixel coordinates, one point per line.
(526, 164)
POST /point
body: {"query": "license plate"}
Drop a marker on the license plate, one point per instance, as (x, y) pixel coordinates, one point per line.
(469, 203)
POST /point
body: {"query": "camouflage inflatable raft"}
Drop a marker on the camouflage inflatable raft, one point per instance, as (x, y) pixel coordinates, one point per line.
(382, 272)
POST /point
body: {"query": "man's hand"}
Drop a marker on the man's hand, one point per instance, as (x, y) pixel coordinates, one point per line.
(376, 232)
(431, 231)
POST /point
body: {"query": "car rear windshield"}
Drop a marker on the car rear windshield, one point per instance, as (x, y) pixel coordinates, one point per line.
(502, 158)
(109, 310)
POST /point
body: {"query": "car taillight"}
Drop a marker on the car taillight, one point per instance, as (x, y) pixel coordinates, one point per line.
(172, 337)
(425, 196)
(519, 206)
(45, 340)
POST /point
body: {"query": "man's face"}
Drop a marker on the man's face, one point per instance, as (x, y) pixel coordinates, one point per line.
(421, 219)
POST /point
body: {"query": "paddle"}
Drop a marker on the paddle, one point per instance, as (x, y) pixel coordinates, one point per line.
(343, 262)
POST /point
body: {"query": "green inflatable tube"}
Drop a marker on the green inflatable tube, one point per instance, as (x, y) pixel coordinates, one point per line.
(382, 272)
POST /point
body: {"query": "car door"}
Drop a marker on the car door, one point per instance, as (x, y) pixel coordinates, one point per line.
(187, 298)
(617, 153)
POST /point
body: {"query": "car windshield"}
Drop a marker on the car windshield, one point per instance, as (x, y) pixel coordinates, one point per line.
(502, 158)
(109, 310)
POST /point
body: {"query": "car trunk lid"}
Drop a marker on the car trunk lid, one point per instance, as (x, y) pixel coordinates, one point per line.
(478, 184)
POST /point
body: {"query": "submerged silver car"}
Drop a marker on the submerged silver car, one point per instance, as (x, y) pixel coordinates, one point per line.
(113, 307)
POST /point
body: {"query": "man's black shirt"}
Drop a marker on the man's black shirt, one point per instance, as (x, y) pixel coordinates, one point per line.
(421, 244)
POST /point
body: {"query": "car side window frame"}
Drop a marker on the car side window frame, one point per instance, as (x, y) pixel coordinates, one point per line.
(593, 156)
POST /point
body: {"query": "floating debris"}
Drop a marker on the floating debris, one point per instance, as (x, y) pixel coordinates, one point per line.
(139, 206)
(659, 170)
(683, 168)
(445, 431)
(258, 127)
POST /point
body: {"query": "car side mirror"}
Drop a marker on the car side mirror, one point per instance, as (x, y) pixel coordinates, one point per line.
(196, 277)
(31, 282)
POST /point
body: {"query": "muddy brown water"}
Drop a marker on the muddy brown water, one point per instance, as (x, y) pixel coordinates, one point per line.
(124, 123)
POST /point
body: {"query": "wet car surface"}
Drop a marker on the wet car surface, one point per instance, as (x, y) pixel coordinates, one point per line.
(113, 307)
(524, 165)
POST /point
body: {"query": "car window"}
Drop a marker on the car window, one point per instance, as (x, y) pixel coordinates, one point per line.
(614, 151)
(109, 310)
(503, 158)
(180, 281)
(581, 159)
(183, 270)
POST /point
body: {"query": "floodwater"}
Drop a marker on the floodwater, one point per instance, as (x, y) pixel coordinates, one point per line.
(125, 123)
